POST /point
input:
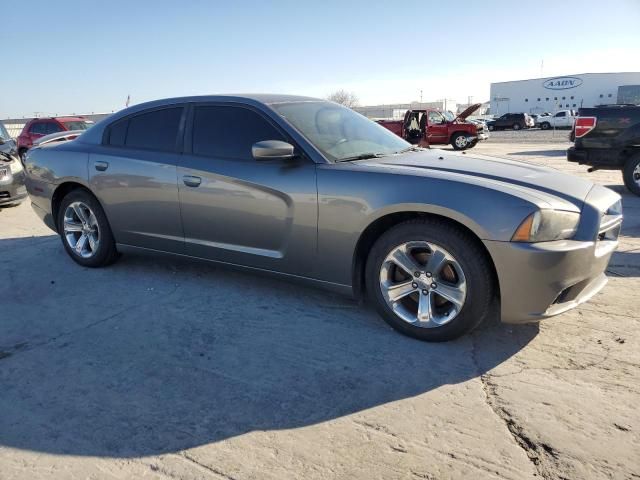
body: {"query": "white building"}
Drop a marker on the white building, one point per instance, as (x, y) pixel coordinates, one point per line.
(567, 92)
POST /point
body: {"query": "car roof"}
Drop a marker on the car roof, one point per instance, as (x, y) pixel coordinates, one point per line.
(94, 134)
(60, 119)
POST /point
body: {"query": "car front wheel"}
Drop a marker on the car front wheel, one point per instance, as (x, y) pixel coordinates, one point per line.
(516, 126)
(430, 280)
(85, 231)
(460, 141)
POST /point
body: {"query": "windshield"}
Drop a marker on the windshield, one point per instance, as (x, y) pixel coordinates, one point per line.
(339, 132)
(449, 116)
(77, 125)
(4, 135)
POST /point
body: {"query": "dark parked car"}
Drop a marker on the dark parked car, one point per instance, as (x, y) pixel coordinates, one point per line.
(12, 176)
(515, 121)
(315, 192)
(39, 127)
(608, 138)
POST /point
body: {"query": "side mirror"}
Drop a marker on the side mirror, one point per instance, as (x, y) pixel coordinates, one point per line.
(272, 150)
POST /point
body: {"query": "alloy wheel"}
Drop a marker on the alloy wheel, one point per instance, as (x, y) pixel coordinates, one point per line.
(636, 174)
(423, 284)
(81, 229)
(461, 141)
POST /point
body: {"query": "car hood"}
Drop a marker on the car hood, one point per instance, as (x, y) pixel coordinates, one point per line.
(545, 184)
(468, 111)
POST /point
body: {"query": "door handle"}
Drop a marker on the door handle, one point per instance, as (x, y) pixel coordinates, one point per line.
(101, 166)
(191, 181)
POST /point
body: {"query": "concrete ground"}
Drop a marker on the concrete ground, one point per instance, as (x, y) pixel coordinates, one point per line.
(164, 368)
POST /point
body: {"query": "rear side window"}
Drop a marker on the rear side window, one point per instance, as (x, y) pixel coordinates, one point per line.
(156, 130)
(38, 127)
(229, 132)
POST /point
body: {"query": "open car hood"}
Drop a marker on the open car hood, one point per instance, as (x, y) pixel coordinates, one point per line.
(468, 111)
(58, 137)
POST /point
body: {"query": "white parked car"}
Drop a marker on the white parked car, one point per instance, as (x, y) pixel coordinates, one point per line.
(561, 119)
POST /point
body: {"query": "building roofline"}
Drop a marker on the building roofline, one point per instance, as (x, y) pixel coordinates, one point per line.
(559, 76)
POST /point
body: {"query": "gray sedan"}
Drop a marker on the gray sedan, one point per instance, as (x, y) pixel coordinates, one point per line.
(314, 192)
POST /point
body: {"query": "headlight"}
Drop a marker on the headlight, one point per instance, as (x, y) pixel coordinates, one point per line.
(16, 166)
(547, 225)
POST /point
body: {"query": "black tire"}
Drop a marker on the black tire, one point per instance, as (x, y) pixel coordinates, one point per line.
(470, 256)
(454, 139)
(631, 174)
(545, 125)
(516, 126)
(491, 128)
(21, 153)
(106, 252)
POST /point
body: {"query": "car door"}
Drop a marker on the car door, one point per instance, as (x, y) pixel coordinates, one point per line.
(242, 211)
(437, 128)
(134, 175)
(36, 130)
(561, 119)
(503, 121)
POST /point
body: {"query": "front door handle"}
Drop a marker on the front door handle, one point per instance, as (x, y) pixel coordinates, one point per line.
(191, 181)
(101, 166)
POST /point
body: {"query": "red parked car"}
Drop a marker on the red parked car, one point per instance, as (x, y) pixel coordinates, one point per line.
(39, 127)
(433, 127)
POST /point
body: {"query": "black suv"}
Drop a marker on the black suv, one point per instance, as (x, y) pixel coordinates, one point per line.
(607, 137)
(510, 120)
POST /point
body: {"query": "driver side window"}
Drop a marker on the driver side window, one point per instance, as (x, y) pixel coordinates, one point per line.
(435, 118)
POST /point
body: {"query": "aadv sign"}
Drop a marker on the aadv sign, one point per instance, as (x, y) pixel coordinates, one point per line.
(562, 83)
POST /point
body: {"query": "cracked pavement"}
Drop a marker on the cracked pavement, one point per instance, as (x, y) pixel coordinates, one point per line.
(163, 368)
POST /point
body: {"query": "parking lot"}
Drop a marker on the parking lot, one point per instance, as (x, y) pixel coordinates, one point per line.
(159, 367)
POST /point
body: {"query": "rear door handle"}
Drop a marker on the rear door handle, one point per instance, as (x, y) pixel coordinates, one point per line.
(101, 166)
(191, 181)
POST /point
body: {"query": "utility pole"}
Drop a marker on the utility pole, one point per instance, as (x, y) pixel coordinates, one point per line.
(420, 97)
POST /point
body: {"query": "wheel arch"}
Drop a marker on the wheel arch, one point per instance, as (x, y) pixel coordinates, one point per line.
(385, 222)
(61, 191)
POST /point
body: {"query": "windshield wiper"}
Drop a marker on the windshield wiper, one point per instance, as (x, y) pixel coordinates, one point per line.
(362, 156)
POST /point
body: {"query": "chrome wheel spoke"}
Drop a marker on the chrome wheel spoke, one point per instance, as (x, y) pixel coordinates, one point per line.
(93, 221)
(436, 261)
(80, 213)
(81, 244)
(70, 226)
(403, 260)
(398, 291)
(455, 295)
(93, 242)
(425, 308)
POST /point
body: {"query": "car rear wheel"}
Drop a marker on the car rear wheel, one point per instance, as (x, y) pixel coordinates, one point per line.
(429, 280)
(631, 174)
(516, 126)
(491, 128)
(460, 141)
(85, 231)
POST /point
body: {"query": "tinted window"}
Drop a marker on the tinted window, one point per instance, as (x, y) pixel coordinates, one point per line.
(561, 114)
(229, 131)
(118, 132)
(38, 127)
(51, 127)
(157, 130)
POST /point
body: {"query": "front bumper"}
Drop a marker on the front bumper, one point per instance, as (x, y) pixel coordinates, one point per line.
(483, 136)
(541, 280)
(12, 188)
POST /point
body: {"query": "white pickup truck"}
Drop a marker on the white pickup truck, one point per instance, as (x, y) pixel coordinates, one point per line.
(561, 119)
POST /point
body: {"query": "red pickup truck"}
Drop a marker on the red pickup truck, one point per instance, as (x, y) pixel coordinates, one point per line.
(433, 127)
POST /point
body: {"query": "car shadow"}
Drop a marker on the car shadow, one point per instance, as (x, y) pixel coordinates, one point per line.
(157, 355)
(542, 153)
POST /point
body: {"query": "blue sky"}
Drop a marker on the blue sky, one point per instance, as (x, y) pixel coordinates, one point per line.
(87, 56)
